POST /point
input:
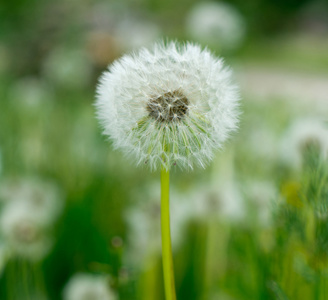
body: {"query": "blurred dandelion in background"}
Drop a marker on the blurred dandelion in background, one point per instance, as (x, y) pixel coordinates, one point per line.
(133, 34)
(307, 134)
(30, 208)
(225, 201)
(144, 229)
(24, 232)
(88, 286)
(216, 23)
(44, 199)
(68, 68)
(31, 93)
(261, 195)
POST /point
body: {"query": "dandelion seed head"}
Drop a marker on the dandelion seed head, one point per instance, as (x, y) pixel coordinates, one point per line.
(169, 104)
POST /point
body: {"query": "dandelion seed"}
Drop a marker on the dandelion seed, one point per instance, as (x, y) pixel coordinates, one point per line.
(156, 112)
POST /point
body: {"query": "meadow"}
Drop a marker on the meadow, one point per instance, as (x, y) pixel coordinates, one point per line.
(252, 225)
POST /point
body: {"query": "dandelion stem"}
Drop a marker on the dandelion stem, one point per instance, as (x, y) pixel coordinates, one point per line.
(166, 238)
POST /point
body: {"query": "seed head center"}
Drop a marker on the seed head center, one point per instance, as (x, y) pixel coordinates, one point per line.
(169, 107)
(26, 232)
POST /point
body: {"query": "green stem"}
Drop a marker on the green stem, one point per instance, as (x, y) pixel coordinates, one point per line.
(149, 282)
(166, 237)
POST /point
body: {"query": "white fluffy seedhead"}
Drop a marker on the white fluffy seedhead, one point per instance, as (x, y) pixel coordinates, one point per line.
(168, 105)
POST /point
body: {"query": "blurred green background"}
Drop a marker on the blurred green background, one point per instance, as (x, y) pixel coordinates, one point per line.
(252, 225)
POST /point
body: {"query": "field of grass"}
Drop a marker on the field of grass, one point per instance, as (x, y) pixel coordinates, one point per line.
(252, 225)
